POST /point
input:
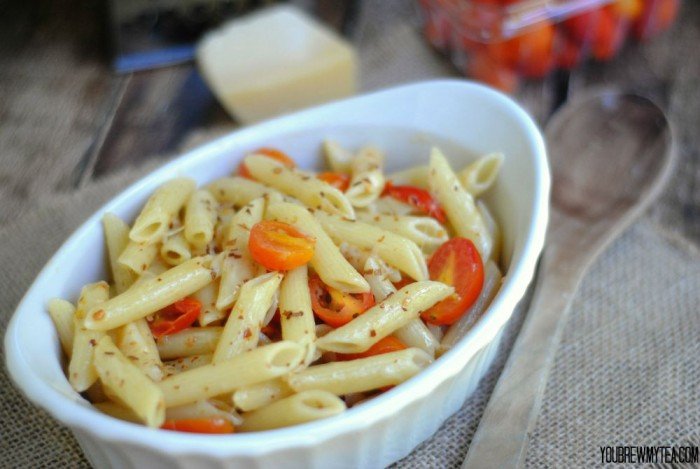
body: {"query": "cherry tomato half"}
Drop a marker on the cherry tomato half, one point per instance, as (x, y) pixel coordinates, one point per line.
(386, 345)
(457, 263)
(273, 153)
(176, 317)
(203, 425)
(334, 307)
(279, 246)
(340, 181)
(418, 198)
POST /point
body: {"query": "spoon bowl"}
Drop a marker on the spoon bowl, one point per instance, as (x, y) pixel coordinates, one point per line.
(610, 156)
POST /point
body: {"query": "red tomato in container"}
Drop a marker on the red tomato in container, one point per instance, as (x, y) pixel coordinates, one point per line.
(484, 68)
(656, 17)
(458, 263)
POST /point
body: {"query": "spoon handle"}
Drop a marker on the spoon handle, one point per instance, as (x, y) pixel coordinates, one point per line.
(503, 434)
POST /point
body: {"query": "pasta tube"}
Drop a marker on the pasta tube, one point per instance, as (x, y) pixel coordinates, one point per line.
(480, 175)
(138, 256)
(136, 342)
(239, 191)
(364, 374)
(261, 364)
(327, 260)
(298, 408)
(62, 312)
(338, 158)
(242, 329)
(81, 370)
(296, 315)
(116, 239)
(301, 185)
(175, 250)
(129, 384)
(174, 367)
(200, 219)
(150, 295)
(259, 395)
(395, 250)
(188, 342)
(160, 209)
(384, 318)
(458, 204)
(426, 232)
(367, 182)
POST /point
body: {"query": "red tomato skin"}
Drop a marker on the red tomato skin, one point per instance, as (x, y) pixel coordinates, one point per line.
(334, 318)
(459, 261)
(176, 317)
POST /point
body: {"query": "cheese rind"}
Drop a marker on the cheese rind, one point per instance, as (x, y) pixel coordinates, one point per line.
(276, 61)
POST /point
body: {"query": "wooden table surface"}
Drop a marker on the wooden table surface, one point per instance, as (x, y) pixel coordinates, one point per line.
(67, 119)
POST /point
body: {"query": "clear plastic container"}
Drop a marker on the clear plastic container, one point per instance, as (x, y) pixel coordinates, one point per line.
(502, 42)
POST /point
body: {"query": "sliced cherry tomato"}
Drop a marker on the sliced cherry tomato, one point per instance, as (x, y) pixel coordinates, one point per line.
(279, 246)
(418, 198)
(340, 181)
(334, 307)
(458, 263)
(272, 330)
(569, 53)
(278, 155)
(203, 425)
(176, 317)
(386, 345)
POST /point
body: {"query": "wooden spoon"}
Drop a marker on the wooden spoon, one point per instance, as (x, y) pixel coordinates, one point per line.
(610, 156)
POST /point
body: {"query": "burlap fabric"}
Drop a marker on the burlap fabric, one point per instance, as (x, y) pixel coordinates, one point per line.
(626, 371)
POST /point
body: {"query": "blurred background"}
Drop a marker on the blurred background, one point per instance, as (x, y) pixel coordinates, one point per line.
(88, 88)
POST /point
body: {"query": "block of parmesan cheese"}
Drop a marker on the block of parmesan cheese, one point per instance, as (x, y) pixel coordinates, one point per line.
(275, 61)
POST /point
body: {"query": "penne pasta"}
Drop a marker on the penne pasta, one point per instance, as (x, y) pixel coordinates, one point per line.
(238, 266)
(239, 191)
(62, 313)
(150, 295)
(458, 204)
(296, 316)
(327, 260)
(492, 283)
(136, 342)
(479, 176)
(242, 329)
(255, 366)
(303, 186)
(116, 239)
(395, 250)
(426, 232)
(137, 257)
(338, 158)
(364, 374)
(414, 333)
(160, 209)
(298, 408)
(261, 394)
(188, 342)
(200, 219)
(129, 384)
(179, 365)
(384, 318)
(204, 409)
(175, 250)
(209, 314)
(81, 369)
(416, 176)
(367, 181)
(391, 206)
